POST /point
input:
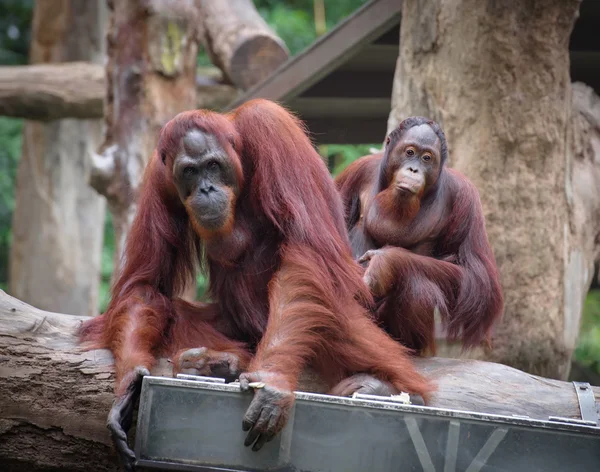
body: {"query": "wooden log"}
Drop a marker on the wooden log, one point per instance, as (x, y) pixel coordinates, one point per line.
(52, 91)
(239, 41)
(48, 92)
(54, 398)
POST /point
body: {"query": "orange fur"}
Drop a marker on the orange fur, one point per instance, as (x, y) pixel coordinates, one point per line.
(431, 252)
(282, 277)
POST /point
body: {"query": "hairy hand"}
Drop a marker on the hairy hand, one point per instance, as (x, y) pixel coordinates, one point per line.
(370, 254)
(121, 415)
(269, 410)
(209, 363)
(363, 383)
(377, 276)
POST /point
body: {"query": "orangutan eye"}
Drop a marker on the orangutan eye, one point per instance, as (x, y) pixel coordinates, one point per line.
(213, 166)
(410, 152)
(426, 157)
(189, 171)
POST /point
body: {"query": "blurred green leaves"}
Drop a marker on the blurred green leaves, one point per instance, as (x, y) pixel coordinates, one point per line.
(294, 26)
(10, 150)
(106, 263)
(294, 22)
(344, 155)
(15, 30)
(15, 21)
(588, 346)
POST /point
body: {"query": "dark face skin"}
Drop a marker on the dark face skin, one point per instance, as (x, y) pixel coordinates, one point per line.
(415, 162)
(205, 180)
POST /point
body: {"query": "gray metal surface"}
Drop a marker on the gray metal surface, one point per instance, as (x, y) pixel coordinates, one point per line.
(587, 402)
(192, 425)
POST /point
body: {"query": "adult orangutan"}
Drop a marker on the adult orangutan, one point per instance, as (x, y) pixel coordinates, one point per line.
(420, 228)
(247, 196)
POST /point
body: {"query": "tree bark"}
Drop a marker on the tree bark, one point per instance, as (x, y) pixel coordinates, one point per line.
(47, 92)
(506, 109)
(583, 198)
(152, 48)
(54, 417)
(239, 41)
(52, 91)
(582, 187)
(58, 224)
(55, 398)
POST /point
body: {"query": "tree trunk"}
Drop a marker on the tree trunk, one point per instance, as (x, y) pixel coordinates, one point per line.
(583, 198)
(58, 222)
(55, 398)
(239, 41)
(505, 106)
(152, 48)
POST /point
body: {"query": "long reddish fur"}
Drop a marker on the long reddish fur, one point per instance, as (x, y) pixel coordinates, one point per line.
(457, 275)
(294, 296)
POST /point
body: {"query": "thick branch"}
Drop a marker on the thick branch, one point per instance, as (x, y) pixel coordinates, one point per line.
(55, 398)
(52, 91)
(76, 90)
(239, 41)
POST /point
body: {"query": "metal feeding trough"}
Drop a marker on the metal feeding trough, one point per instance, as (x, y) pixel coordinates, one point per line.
(195, 423)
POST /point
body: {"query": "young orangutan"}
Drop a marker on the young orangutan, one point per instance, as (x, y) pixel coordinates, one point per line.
(419, 227)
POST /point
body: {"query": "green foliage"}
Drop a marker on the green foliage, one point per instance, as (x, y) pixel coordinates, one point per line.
(293, 20)
(106, 263)
(345, 154)
(201, 287)
(203, 59)
(10, 150)
(15, 30)
(588, 347)
(295, 27)
(15, 21)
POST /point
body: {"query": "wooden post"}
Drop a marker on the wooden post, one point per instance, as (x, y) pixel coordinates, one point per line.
(58, 223)
(151, 73)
